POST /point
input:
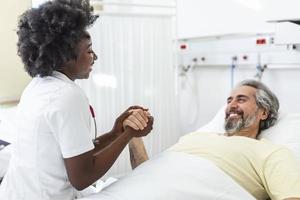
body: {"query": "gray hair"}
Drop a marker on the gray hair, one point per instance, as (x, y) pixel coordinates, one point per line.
(266, 100)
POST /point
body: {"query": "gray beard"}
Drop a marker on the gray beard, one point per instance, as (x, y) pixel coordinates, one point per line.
(235, 126)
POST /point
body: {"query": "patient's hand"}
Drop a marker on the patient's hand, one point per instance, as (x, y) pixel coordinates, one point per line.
(138, 119)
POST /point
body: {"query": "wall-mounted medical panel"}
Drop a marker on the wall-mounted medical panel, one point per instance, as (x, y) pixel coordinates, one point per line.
(287, 32)
(243, 50)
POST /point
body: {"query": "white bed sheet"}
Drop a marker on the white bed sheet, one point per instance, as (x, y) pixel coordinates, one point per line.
(174, 176)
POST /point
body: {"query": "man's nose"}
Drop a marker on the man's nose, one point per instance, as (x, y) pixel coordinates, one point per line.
(232, 104)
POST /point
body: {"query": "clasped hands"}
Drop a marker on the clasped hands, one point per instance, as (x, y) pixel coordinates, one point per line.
(136, 120)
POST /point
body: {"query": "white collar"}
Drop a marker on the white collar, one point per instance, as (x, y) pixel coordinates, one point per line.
(62, 76)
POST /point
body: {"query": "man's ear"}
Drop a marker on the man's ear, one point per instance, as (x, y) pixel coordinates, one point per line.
(264, 114)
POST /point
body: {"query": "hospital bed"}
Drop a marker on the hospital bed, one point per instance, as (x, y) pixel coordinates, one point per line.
(177, 176)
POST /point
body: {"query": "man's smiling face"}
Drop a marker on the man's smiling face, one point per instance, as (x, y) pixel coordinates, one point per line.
(242, 112)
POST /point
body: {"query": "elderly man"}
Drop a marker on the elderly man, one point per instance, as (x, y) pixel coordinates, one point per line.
(264, 169)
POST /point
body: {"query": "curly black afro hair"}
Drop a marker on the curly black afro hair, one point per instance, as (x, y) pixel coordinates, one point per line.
(48, 35)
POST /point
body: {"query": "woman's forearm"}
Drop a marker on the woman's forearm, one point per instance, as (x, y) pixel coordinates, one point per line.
(87, 168)
(104, 140)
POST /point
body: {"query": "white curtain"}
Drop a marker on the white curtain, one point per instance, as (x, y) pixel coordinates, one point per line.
(135, 66)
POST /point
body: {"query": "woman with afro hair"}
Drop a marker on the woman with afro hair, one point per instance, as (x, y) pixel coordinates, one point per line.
(54, 153)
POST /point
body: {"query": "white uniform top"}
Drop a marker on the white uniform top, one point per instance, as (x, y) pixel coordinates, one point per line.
(53, 119)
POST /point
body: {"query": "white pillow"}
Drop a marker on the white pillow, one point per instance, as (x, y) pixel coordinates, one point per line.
(285, 132)
(216, 124)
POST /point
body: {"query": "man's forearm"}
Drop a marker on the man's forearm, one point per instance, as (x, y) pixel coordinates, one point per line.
(138, 153)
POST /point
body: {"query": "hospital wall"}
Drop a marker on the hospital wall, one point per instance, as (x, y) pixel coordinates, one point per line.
(13, 78)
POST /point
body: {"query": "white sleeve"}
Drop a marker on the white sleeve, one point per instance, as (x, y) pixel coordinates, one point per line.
(68, 117)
